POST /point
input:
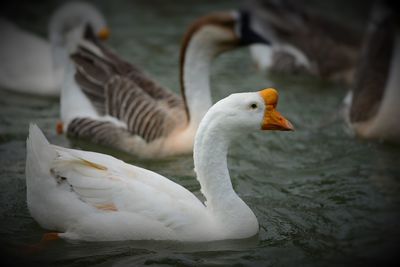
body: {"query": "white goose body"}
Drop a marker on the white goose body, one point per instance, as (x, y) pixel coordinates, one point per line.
(32, 64)
(27, 64)
(91, 196)
(112, 102)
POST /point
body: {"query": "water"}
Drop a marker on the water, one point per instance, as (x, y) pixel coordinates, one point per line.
(322, 198)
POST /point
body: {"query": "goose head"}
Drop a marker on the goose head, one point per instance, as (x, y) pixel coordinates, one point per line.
(230, 119)
(222, 31)
(205, 39)
(253, 111)
(67, 23)
(257, 111)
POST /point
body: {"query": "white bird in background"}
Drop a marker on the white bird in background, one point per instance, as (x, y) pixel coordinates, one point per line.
(111, 102)
(31, 64)
(92, 196)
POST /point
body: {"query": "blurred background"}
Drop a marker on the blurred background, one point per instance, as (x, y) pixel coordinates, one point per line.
(322, 196)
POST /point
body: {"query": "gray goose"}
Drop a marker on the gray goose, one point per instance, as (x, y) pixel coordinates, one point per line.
(373, 104)
(112, 102)
(303, 41)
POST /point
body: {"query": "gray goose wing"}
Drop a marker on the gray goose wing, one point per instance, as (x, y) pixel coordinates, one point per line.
(333, 47)
(374, 66)
(119, 89)
(99, 55)
(126, 101)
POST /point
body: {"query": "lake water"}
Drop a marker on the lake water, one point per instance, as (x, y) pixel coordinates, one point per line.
(322, 197)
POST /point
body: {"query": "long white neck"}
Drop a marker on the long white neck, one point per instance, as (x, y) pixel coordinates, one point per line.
(210, 161)
(63, 44)
(199, 53)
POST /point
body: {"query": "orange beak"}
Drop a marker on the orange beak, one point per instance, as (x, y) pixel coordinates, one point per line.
(273, 120)
(104, 33)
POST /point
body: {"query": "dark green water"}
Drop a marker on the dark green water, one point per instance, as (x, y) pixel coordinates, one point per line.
(322, 198)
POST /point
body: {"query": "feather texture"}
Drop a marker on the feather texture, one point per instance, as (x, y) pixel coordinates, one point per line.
(120, 90)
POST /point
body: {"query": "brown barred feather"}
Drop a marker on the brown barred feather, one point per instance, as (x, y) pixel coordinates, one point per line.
(119, 89)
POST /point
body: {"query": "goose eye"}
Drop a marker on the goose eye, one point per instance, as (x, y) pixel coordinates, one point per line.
(253, 106)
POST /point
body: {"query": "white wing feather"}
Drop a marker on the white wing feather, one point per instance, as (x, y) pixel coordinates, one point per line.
(108, 183)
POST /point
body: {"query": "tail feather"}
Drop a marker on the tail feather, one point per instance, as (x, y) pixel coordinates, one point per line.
(93, 70)
(37, 135)
(93, 67)
(92, 61)
(96, 73)
(40, 154)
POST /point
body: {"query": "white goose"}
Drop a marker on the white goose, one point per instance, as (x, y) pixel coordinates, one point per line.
(31, 64)
(112, 102)
(373, 104)
(92, 196)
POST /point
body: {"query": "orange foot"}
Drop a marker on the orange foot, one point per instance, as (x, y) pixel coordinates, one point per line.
(38, 247)
(59, 127)
(50, 237)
